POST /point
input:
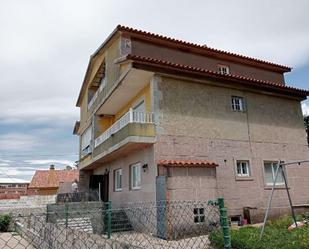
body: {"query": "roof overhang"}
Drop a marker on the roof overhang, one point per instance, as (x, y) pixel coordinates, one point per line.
(167, 67)
(187, 163)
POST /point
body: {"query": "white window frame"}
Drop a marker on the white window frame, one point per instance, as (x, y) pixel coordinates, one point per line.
(273, 170)
(135, 185)
(117, 178)
(86, 138)
(223, 69)
(199, 215)
(238, 106)
(241, 163)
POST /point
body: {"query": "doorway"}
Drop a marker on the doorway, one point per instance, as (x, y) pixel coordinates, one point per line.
(99, 184)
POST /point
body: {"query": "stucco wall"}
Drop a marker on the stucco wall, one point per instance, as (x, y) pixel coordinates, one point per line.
(202, 61)
(196, 121)
(192, 184)
(147, 191)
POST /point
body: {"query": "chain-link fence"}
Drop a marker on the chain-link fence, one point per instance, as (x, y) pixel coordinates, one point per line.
(175, 224)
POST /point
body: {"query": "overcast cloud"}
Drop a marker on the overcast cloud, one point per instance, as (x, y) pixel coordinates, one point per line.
(45, 47)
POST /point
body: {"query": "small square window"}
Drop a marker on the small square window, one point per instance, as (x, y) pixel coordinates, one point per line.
(243, 169)
(136, 176)
(199, 215)
(223, 69)
(238, 103)
(118, 179)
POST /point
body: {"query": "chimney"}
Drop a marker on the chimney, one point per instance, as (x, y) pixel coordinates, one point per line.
(52, 167)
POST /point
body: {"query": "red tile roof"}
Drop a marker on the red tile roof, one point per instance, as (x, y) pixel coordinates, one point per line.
(52, 178)
(201, 47)
(251, 81)
(187, 163)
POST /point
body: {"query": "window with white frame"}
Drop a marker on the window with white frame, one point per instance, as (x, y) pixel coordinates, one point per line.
(86, 141)
(243, 169)
(136, 177)
(238, 103)
(199, 215)
(118, 179)
(270, 172)
(223, 69)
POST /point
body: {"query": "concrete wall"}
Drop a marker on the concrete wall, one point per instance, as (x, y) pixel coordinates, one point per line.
(202, 61)
(196, 121)
(147, 191)
(27, 203)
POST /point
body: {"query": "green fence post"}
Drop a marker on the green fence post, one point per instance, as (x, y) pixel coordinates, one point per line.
(224, 224)
(66, 215)
(109, 219)
(47, 210)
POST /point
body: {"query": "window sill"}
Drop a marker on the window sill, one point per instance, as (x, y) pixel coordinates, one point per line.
(135, 189)
(244, 178)
(117, 190)
(276, 187)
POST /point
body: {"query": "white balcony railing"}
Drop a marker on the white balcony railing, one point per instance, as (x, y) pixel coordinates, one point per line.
(95, 96)
(130, 117)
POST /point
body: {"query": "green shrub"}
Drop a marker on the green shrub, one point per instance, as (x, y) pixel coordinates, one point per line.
(5, 221)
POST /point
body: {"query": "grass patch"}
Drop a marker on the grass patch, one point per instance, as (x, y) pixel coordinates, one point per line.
(276, 236)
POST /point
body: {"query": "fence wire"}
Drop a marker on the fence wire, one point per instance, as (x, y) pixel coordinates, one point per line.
(177, 224)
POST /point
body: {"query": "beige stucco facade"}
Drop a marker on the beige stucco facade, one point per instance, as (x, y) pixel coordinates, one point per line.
(195, 121)
(191, 118)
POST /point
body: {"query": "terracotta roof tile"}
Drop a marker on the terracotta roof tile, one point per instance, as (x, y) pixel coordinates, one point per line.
(187, 163)
(52, 178)
(152, 61)
(203, 47)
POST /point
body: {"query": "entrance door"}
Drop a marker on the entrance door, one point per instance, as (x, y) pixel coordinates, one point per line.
(99, 184)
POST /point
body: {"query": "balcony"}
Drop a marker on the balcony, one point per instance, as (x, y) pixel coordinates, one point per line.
(132, 131)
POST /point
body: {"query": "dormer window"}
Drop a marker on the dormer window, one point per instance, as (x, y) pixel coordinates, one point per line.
(223, 69)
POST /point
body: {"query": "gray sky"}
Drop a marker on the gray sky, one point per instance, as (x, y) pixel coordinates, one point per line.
(45, 47)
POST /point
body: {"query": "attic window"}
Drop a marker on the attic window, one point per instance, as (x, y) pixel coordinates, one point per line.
(223, 69)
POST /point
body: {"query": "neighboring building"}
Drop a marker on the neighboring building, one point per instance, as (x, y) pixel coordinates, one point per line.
(13, 188)
(163, 119)
(47, 182)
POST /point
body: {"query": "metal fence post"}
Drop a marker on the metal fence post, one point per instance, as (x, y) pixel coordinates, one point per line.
(224, 224)
(109, 219)
(66, 215)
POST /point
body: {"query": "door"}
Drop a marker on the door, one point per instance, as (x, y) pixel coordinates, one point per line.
(98, 185)
(105, 188)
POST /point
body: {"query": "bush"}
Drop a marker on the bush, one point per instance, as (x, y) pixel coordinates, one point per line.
(5, 221)
(276, 236)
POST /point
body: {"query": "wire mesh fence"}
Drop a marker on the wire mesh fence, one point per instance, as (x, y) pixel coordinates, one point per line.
(176, 224)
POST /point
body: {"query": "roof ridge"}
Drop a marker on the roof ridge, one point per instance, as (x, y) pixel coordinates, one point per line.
(233, 76)
(129, 29)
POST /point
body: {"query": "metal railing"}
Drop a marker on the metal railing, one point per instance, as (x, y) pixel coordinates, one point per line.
(95, 96)
(92, 195)
(129, 117)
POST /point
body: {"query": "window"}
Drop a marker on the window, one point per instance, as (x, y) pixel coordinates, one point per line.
(85, 141)
(136, 176)
(269, 173)
(223, 69)
(238, 103)
(199, 215)
(243, 169)
(118, 179)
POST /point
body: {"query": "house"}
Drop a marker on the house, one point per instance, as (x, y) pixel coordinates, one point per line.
(13, 188)
(164, 119)
(48, 182)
